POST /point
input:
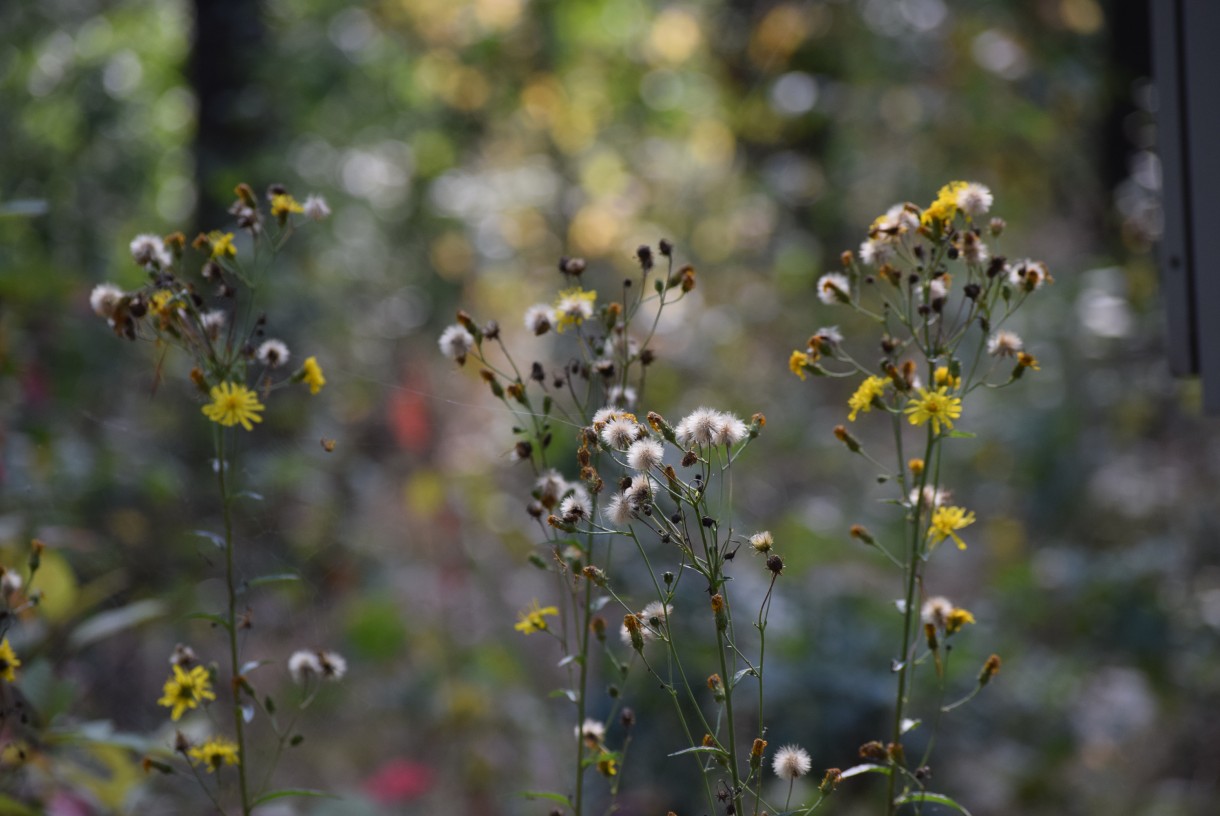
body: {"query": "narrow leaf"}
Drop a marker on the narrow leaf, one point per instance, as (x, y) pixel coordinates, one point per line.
(550, 797)
(248, 494)
(962, 435)
(867, 767)
(938, 798)
(111, 622)
(215, 619)
(279, 577)
(703, 749)
(271, 796)
(740, 674)
(210, 536)
(571, 695)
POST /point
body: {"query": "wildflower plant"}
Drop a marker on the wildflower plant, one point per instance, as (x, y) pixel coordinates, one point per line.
(204, 299)
(939, 296)
(661, 490)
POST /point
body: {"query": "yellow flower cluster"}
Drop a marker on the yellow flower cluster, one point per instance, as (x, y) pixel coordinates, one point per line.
(215, 752)
(871, 389)
(186, 689)
(946, 521)
(944, 207)
(533, 619)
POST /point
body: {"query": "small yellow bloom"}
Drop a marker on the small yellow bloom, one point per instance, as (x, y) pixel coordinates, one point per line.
(533, 620)
(186, 690)
(944, 207)
(946, 521)
(8, 662)
(233, 403)
(215, 752)
(871, 389)
(1028, 361)
(311, 374)
(282, 204)
(607, 765)
(956, 619)
(936, 407)
(222, 244)
(573, 307)
(943, 377)
(160, 304)
(797, 362)
(916, 466)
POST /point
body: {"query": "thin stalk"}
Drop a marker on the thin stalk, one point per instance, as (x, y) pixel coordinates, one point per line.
(231, 588)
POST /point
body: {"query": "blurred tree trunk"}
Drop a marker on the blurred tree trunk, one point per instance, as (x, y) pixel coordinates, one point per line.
(229, 37)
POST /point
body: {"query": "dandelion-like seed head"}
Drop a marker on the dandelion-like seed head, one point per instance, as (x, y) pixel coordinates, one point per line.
(624, 396)
(791, 762)
(539, 318)
(550, 487)
(834, 287)
(936, 611)
(640, 494)
(304, 664)
(149, 250)
(331, 666)
(575, 506)
(1004, 344)
(620, 432)
(316, 208)
(700, 427)
(618, 510)
(104, 299)
(933, 497)
(762, 542)
(456, 343)
(645, 454)
(973, 199)
(875, 251)
(272, 353)
(593, 732)
(212, 322)
(183, 656)
(729, 429)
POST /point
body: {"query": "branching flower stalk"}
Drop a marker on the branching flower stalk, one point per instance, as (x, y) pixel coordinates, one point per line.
(939, 295)
(236, 367)
(652, 501)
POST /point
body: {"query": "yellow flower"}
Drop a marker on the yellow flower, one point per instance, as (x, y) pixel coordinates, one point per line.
(282, 204)
(797, 362)
(957, 619)
(943, 377)
(869, 390)
(607, 765)
(8, 662)
(532, 619)
(946, 521)
(945, 206)
(214, 753)
(222, 244)
(311, 375)
(186, 690)
(233, 403)
(935, 406)
(160, 304)
(573, 307)
(1028, 361)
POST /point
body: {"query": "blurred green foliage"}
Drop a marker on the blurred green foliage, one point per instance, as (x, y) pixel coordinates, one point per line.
(465, 146)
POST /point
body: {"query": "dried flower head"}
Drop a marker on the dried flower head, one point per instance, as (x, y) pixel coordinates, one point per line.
(272, 353)
(1004, 344)
(834, 287)
(104, 299)
(303, 665)
(645, 454)
(315, 208)
(456, 342)
(791, 762)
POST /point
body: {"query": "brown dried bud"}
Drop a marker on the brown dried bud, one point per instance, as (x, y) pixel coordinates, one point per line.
(720, 610)
(689, 458)
(598, 625)
(895, 752)
(246, 194)
(990, 669)
(860, 532)
(873, 750)
(830, 781)
(844, 436)
(775, 564)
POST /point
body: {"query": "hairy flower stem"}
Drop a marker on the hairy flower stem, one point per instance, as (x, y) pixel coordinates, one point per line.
(908, 619)
(580, 697)
(222, 467)
(728, 713)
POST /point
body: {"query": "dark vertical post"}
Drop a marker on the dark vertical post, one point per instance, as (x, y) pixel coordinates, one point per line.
(228, 41)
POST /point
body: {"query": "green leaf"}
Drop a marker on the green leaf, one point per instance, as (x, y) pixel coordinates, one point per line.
(11, 807)
(271, 796)
(215, 619)
(571, 695)
(277, 578)
(962, 435)
(598, 603)
(550, 797)
(113, 621)
(938, 798)
(868, 767)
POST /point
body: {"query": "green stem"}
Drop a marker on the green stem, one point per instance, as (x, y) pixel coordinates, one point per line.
(222, 467)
